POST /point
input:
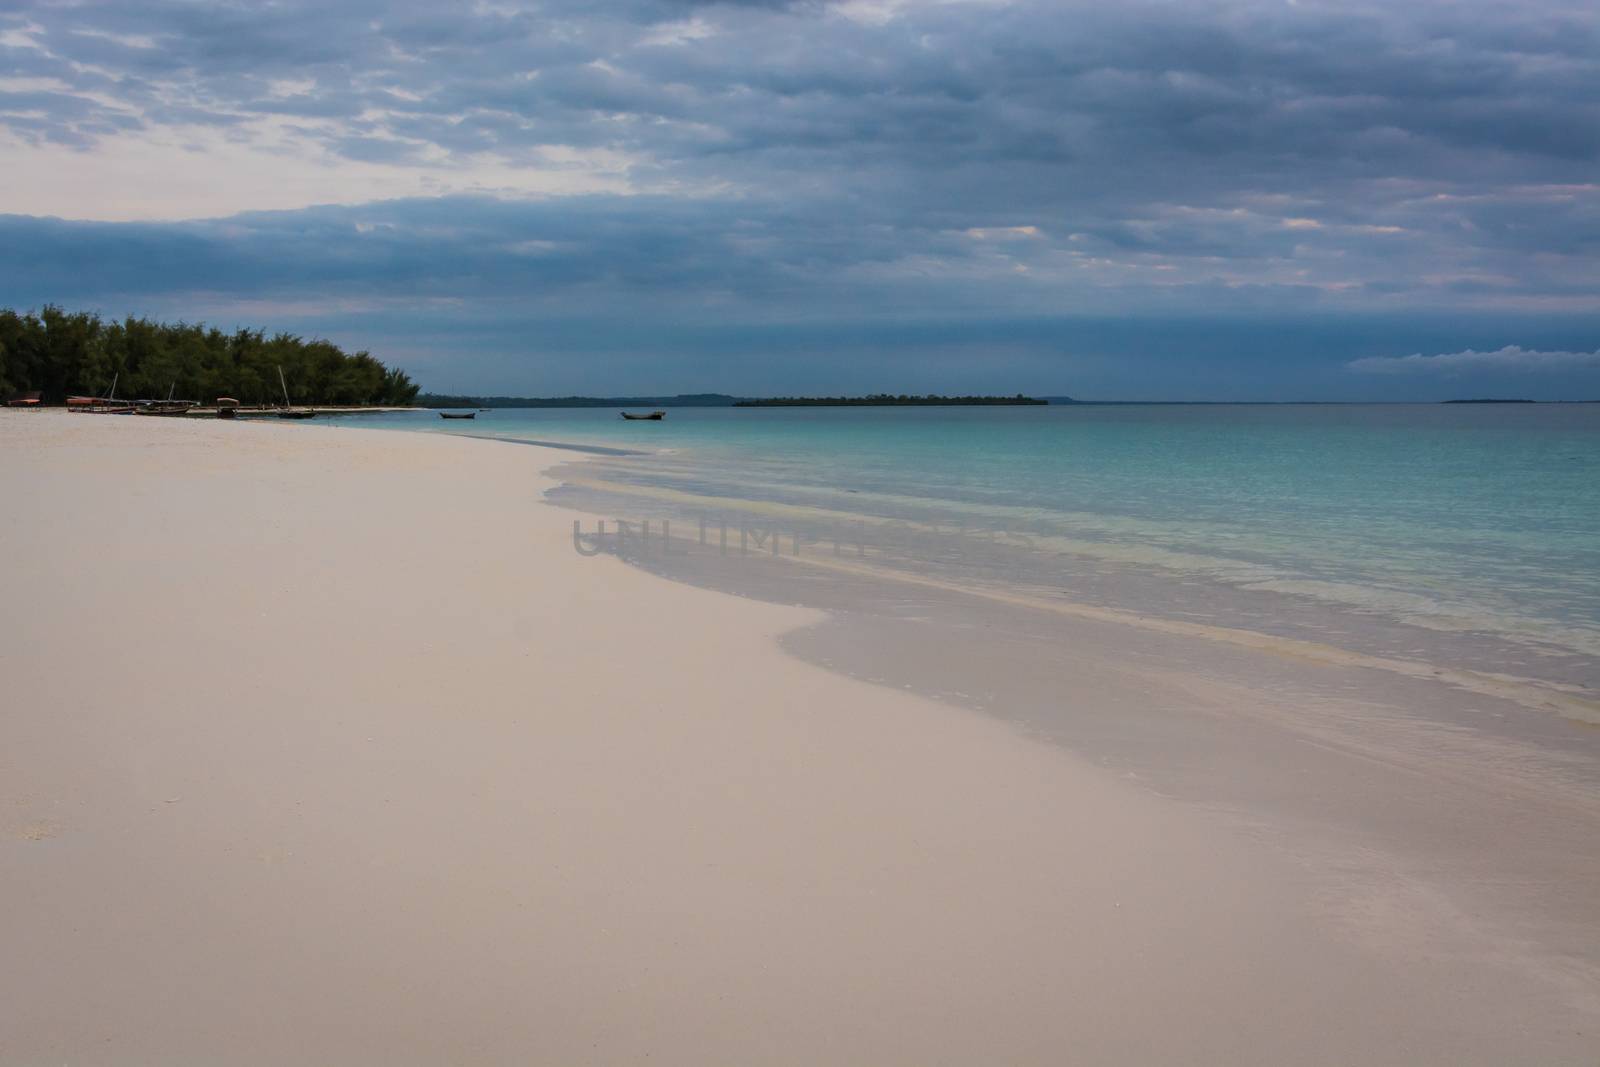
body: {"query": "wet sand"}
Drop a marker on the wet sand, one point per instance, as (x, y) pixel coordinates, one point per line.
(323, 744)
(1440, 813)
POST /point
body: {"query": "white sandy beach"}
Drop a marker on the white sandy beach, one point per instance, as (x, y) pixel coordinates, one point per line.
(322, 745)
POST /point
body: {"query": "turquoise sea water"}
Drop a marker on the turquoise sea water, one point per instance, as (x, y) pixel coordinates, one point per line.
(1469, 528)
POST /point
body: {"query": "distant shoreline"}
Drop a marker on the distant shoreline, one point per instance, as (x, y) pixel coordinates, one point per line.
(885, 400)
(725, 400)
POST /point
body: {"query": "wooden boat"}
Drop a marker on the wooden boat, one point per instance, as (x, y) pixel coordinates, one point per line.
(227, 407)
(100, 405)
(458, 414)
(168, 406)
(25, 400)
(637, 416)
(289, 410)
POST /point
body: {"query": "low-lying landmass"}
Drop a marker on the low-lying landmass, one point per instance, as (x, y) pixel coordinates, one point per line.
(725, 400)
(889, 400)
(57, 354)
(681, 400)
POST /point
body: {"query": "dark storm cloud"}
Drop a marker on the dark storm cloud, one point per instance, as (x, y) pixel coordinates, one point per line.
(597, 250)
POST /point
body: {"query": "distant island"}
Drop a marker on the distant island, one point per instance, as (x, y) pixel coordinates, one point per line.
(723, 400)
(681, 400)
(885, 400)
(1490, 400)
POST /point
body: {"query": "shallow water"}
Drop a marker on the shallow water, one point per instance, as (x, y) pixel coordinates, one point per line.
(1459, 534)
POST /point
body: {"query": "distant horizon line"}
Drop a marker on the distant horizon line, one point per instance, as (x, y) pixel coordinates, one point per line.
(713, 399)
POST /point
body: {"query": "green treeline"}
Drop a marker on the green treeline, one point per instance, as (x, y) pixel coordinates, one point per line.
(61, 354)
(878, 400)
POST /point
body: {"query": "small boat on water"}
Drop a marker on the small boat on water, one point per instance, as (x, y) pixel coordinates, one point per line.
(25, 400)
(458, 414)
(644, 416)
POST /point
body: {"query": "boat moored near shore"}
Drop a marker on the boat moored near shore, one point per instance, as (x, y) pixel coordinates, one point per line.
(101, 405)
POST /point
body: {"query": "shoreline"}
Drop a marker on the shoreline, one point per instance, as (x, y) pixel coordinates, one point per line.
(435, 787)
(1312, 637)
(1206, 713)
(1365, 558)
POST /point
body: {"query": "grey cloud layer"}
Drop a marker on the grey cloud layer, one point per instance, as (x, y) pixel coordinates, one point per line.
(1458, 134)
(798, 159)
(656, 294)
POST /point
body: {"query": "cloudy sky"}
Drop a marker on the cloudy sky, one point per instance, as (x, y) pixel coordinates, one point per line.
(1187, 199)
